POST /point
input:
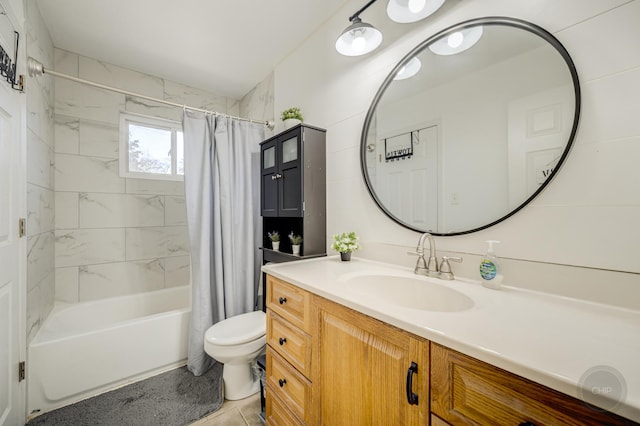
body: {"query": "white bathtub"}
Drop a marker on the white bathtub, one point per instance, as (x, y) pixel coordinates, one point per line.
(88, 348)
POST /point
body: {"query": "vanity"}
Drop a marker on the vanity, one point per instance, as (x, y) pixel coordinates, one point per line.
(342, 353)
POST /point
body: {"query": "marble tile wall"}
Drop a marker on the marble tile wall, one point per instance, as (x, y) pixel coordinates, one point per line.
(259, 102)
(115, 236)
(40, 176)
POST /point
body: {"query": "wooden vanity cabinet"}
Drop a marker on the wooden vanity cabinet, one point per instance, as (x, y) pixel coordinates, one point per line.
(328, 364)
(466, 391)
(361, 370)
(288, 385)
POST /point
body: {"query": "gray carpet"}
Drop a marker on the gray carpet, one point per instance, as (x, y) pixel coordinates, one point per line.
(173, 398)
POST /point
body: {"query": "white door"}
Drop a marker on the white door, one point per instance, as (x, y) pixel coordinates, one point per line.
(12, 249)
(539, 127)
(409, 188)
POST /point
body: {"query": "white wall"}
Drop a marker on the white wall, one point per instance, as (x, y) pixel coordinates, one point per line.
(587, 217)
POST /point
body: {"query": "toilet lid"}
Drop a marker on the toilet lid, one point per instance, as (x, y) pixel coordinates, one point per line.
(239, 329)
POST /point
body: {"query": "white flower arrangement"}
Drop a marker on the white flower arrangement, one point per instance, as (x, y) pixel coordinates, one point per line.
(295, 239)
(345, 242)
(274, 236)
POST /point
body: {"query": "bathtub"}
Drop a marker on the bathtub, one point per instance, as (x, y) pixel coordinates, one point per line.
(88, 348)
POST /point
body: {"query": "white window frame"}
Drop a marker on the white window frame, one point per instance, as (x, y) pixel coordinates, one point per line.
(159, 123)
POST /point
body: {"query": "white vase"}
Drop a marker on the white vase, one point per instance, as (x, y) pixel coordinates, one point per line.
(290, 122)
(275, 245)
(296, 249)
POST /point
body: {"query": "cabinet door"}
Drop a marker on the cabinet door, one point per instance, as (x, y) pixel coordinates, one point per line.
(362, 368)
(269, 176)
(467, 391)
(290, 182)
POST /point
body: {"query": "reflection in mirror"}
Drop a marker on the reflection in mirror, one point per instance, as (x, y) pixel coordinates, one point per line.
(476, 131)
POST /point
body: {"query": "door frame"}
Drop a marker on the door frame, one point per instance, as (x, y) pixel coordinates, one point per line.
(20, 188)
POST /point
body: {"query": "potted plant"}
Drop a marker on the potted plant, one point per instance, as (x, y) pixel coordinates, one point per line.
(274, 236)
(296, 240)
(345, 243)
(291, 117)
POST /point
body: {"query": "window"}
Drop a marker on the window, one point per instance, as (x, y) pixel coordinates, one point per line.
(151, 148)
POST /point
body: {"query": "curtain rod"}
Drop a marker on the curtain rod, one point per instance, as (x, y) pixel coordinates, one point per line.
(36, 68)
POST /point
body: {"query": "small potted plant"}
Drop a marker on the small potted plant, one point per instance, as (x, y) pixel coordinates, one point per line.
(291, 117)
(274, 236)
(345, 243)
(296, 240)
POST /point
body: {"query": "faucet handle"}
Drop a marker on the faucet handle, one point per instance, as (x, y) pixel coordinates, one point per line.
(445, 267)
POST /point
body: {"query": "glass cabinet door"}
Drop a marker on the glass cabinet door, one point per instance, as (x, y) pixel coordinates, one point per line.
(269, 158)
(290, 150)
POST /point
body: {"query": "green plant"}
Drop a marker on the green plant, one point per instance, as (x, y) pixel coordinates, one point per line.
(291, 113)
(295, 239)
(345, 242)
(274, 236)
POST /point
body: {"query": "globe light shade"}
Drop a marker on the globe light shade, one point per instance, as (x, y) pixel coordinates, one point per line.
(359, 38)
(406, 11)
(456, 42)
(409, 69)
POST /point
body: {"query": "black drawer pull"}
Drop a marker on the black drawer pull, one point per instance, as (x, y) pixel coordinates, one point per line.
(527, 424)
(282, 300)
(282, 382)
(282, 340)
(412, 398)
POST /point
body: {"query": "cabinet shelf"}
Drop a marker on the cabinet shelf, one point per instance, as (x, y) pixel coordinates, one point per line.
(270, 255)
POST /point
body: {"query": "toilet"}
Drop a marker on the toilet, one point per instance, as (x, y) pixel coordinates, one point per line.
(237, 342)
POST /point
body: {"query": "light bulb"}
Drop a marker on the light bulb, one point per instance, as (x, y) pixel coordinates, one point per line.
(455, 39)
(416, 6)
(359, 43)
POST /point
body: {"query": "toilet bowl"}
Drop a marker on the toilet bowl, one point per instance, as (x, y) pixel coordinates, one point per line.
(237, 342)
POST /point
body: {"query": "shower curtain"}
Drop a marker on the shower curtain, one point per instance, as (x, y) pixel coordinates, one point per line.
(222, 186)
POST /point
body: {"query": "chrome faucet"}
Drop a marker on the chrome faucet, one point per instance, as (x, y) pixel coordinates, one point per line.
(427, 267)
(430, 267)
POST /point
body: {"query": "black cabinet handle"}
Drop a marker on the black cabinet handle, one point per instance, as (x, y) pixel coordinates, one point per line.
(527, 424)
(282, 340)
(412, 398)
(282, 382)
(282, 300)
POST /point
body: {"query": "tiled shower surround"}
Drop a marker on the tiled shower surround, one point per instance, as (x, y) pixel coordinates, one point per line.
(40, 176)
(115, 235)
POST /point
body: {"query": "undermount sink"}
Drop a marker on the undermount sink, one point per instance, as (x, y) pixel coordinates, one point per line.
(409, 292)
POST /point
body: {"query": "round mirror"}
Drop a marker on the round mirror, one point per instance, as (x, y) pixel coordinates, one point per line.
(470, 126)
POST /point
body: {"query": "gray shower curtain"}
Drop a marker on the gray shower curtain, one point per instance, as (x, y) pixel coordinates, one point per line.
(222, 187)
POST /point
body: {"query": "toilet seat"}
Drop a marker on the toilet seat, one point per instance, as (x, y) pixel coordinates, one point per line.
(237, 330)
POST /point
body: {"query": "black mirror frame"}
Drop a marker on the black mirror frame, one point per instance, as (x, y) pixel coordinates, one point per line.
(487, 21)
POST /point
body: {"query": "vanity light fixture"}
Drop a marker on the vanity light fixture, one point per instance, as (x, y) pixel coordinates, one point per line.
(457, 42)
(406, 11)
(359, 38)
(408, 70)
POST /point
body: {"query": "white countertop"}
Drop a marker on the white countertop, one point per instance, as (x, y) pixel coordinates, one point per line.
(549, 339)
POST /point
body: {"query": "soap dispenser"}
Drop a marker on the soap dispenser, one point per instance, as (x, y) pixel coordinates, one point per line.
(490, 270)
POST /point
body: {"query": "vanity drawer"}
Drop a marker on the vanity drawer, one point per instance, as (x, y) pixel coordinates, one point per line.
(290, 302)
(277, 413)
(292, 343)
(290, 386)
(468, 391)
